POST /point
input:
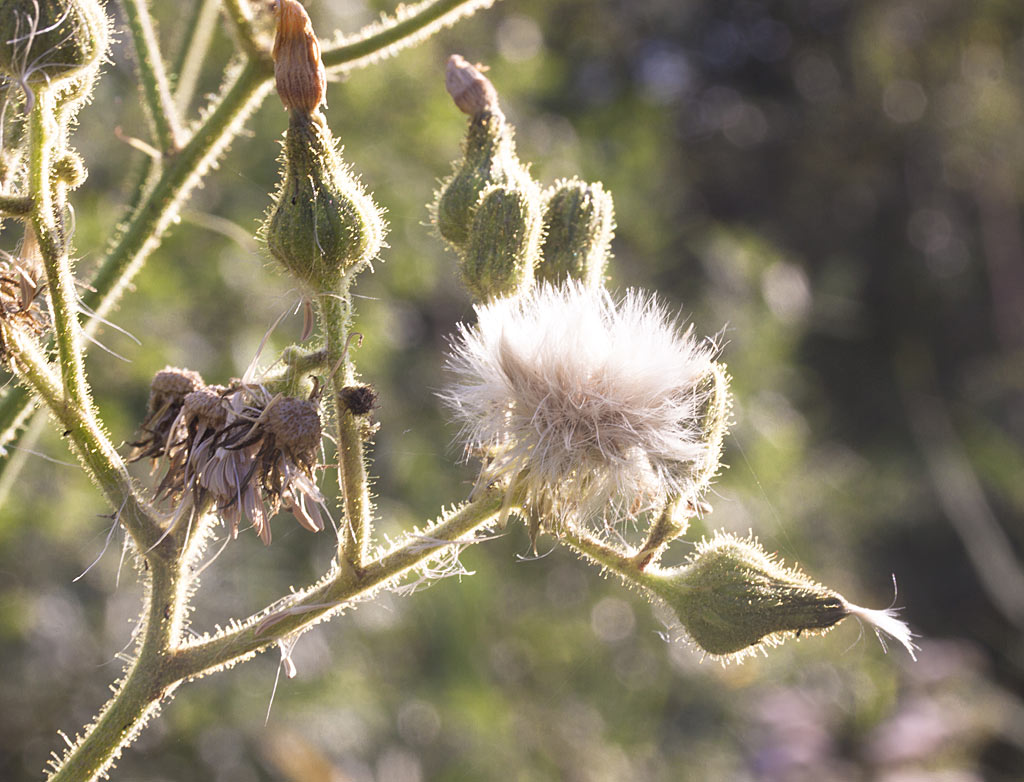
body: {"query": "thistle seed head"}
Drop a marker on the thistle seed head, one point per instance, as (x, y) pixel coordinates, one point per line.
(589, 405)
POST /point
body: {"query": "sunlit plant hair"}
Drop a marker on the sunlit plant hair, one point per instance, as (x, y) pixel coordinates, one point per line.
(586, 408)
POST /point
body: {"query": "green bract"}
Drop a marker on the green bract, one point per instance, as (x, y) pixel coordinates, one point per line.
(323, 226)
(46, 41)
(579, 221)
(731, 597)
(502, 247)
(489, 158)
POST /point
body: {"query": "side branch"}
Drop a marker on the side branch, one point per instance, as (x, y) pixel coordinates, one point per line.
(92, 447)
(334, 591)
(412, 25)
(163, 114)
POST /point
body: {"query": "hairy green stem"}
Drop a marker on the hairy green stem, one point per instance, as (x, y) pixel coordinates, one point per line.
(417, 23)
(200, 26)
(332, 593)
(50, 235)
(243, 25)
(89, 443)
(354, 539)
(15, 206)
(138, 697)
(156, 92)
(622, 564)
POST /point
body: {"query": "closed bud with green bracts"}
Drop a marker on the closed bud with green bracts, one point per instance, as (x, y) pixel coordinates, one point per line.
(323, 226)
(488, 156)
(732, 597)
(43, 42)
(579, 222)
(504, 242)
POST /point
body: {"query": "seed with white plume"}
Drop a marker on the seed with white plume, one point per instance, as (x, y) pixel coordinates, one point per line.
(588, 404)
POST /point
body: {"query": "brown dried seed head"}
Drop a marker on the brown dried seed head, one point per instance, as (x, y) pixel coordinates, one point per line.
(296, 425)
(206, 405)
(472, 92)
(298, 69)
(175, 382)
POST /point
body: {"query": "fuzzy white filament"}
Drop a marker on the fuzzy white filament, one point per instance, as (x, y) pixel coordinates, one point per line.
(885, 624)
(582, 400)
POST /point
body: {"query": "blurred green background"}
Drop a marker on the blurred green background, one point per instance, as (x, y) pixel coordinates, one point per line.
(832, 187)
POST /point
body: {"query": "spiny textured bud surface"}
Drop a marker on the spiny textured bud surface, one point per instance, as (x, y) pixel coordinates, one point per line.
(298, 70)
(45, 41)
(503, 243)
(579, 222)
(488, 159)
(323, 225)
(731, 597)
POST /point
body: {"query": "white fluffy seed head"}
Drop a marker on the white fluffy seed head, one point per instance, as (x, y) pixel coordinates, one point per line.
(590, 404)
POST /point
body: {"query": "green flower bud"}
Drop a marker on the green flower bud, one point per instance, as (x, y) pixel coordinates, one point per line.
(46, 41)
(579, 222)
(69, 169)
(323, 227)
(503, 243)
(732, 598)
(488, 153)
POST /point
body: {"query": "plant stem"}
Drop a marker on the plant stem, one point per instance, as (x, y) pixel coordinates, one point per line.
(332, 593)
(601, 553)
(15, 206)
(200, 26)
(92, 447)
(160, 107)
(242, 23)
(53, 248)
(139, 696)
(417, 23)
(352, 478)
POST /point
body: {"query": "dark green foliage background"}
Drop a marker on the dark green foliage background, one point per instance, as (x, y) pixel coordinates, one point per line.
(831, 187)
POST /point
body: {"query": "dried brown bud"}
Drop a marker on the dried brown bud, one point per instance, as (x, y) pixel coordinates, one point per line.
(298, 69)
(358, 400)
(472, 92)
(296, 425)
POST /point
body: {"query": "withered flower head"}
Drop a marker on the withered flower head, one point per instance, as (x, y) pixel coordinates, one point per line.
(21, 281)
(249, 455)
(167, 393)
(298, 69)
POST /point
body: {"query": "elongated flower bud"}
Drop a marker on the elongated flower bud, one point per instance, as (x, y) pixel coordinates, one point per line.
(733, 598)
(503, 244)
(43, 42)
(323, 226)
(488, 155)
(579, 222)
(298, 70)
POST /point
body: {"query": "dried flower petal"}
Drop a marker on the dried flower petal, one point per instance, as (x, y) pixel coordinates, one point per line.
(298, 69)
